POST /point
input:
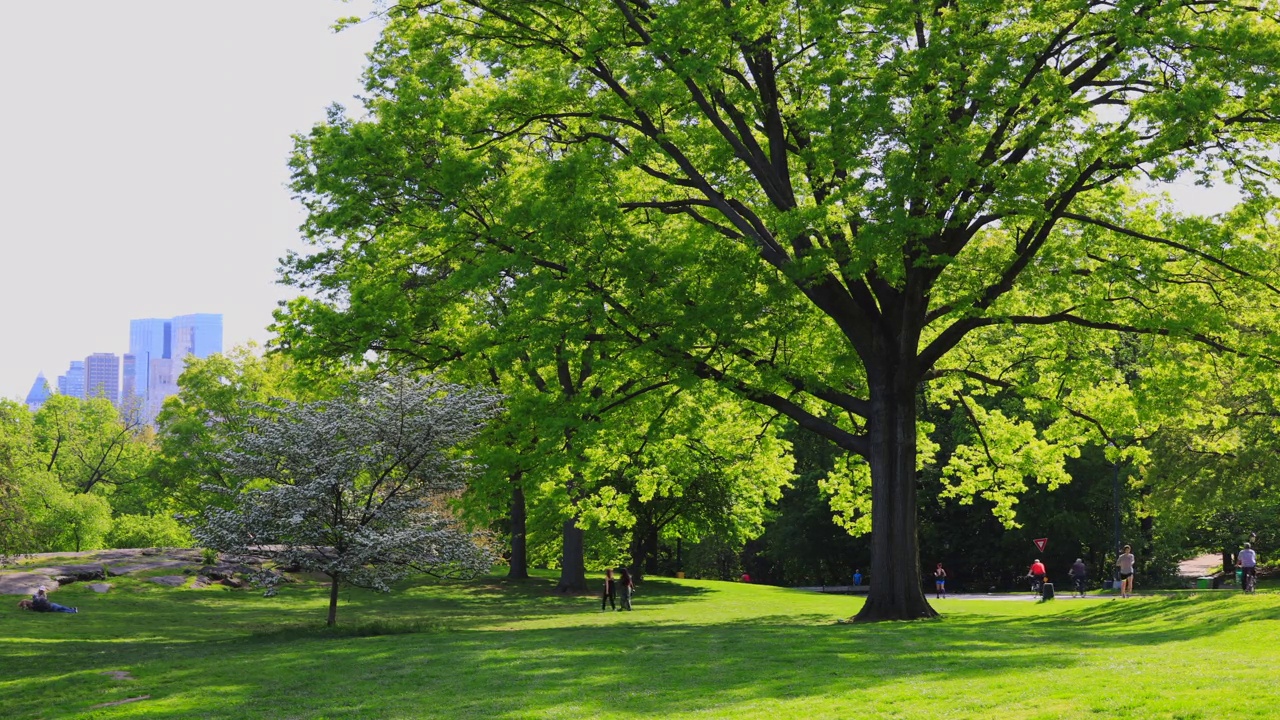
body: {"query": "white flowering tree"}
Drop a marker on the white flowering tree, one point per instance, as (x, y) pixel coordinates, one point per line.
(356, 487)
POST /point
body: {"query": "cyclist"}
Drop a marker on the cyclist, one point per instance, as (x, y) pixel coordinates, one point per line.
(1078, 574)
(1248, 562)
(1037, 574)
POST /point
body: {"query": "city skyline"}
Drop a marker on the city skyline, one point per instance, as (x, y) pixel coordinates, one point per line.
(138, 381)
(160, 183)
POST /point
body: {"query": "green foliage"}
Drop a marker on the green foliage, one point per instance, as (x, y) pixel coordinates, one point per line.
(148, 531)
(826, 209)
(59, 519)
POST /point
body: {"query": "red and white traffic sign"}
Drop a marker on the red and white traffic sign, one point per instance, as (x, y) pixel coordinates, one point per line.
(1041, 543)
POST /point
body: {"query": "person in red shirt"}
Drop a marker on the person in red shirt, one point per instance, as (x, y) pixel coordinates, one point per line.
(1037, 571)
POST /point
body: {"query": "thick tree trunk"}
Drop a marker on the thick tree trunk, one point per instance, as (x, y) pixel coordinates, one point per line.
(895, 592)
(651, 551)
(636, 550)
(519, 562)
(573, 570)
(333, 600)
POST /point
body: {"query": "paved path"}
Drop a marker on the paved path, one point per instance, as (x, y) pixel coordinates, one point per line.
(1199, 566)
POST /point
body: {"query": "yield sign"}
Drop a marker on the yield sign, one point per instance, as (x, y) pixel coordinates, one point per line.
(1041, 543)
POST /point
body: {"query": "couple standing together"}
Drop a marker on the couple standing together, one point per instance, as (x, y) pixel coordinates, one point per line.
(620, 586)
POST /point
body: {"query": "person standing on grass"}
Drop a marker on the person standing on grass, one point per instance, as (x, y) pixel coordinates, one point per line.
(1078, 574)
(939, 582)
(1125, 563)
(627, 587)
(609, 590)
(1248, 562)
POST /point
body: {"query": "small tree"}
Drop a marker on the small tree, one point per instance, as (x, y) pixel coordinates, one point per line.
(356, 487)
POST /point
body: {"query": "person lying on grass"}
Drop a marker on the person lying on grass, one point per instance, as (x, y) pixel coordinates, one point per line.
(40, 603)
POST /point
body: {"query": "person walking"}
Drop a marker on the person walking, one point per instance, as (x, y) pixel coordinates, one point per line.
(609, 590)
(939, 582)
(1078, 574)
(626, 587)
(1248, 562)
(857, 577)
(1125, 563)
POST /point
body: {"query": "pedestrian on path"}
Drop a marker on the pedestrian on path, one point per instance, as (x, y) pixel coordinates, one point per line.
(939, 582)
(1125, 563)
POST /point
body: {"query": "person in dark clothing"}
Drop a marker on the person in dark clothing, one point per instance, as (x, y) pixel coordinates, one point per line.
(609, 590)
(1078, 574)
(625, 588)
(40, 603)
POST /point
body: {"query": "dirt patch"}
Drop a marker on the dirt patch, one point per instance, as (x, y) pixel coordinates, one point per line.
(118, 674)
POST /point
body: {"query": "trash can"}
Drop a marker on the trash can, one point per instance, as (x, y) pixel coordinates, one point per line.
(1046, 591)
(1204, 583)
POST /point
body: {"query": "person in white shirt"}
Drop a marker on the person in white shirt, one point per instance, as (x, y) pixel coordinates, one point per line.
(1248, 562)
(1125, 563)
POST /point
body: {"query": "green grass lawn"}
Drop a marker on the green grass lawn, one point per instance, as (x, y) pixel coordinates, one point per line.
(691, 649)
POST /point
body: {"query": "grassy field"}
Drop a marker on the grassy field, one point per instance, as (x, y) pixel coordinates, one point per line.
(691, 649)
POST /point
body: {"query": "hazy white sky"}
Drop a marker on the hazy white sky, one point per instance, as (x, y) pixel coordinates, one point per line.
(142, 163)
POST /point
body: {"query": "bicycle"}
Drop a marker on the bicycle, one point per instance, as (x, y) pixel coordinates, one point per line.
(1036, 588)
(1250, 580)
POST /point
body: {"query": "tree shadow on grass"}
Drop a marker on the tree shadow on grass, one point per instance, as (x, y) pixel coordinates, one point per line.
(582, 670)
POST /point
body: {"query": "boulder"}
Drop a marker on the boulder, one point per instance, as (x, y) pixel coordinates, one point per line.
(100, 587)
(25, 583)
(170, 580)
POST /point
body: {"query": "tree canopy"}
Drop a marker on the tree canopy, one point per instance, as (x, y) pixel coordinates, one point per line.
(355, 487)
(826, 208)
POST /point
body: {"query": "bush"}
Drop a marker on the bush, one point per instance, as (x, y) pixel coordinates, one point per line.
(142, 531)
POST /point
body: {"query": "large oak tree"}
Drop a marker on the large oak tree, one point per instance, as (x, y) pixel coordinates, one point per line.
(824, 207)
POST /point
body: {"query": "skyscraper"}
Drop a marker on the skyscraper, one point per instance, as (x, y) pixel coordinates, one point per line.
(102, 376)
(199, 334)
(39, 393)
(72, 384)
(149, 339)
(161, 348)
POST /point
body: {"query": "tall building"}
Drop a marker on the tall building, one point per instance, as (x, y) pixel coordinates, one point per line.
(199, 335)
(102, 376)
(162, 383)
(39, 393)
(72, 384)
(161, 347)
(149, 339)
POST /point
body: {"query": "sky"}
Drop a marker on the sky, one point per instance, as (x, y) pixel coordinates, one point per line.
(143, 151)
